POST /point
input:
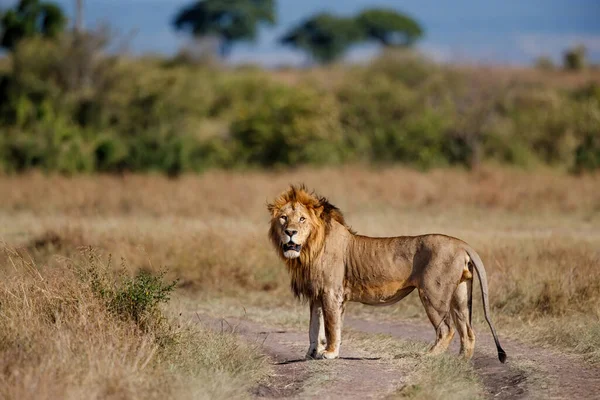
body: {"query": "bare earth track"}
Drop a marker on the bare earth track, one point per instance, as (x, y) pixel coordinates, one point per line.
(564, 376)
(357, 375)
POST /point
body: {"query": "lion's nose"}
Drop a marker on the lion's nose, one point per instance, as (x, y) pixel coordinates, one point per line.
(291, 232)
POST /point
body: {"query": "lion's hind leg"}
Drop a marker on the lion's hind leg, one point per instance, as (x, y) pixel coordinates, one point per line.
(439, 315)
(460, 314)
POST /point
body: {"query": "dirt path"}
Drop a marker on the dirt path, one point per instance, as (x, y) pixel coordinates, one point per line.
(501, 380)
(359, 375)
(354, 376)
(563, 376)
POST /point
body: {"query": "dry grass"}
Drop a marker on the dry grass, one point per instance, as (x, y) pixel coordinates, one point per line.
(355, 189)
(496, 74)
(59, 340)
(538, 234)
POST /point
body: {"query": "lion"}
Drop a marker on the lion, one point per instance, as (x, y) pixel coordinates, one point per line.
(330, 264)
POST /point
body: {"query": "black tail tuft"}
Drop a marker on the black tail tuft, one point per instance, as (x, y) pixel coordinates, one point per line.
(501, 354)
(470, 288)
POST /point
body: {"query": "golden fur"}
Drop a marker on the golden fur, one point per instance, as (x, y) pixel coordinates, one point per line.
(305, 280)
(329, 264)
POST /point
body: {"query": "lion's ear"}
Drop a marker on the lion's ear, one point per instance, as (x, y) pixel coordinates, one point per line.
(318, 210)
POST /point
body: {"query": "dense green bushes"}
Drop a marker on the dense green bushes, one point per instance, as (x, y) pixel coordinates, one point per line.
(67, 112)
(287, 126)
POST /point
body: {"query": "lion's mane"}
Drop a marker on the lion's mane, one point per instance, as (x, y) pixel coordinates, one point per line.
(306, 276)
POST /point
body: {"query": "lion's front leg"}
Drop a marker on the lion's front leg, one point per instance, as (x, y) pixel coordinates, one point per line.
(333, 310)
(316, 331)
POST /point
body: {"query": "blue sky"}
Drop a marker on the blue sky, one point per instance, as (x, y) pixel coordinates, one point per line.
(490, 31)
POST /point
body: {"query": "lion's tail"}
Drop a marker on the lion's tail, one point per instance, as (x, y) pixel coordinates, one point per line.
(478, 264)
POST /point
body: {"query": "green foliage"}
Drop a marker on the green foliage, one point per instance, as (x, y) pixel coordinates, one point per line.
(587, 154)
(389, 27)
(149, 115)
(575, 58)
(30, 18)
(287, 126)
(324, 36)
(407, 67)
(230, 21)
(137, 298)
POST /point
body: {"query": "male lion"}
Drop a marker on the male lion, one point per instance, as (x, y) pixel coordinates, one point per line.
(330, 264)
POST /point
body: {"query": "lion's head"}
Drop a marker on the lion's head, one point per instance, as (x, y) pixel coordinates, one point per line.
(299, 223)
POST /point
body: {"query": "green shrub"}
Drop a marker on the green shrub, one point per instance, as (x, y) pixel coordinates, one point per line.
(575, 58)
(52, 146)
(403, 65)
(288, 126)
(371, 110)
(542, 120)
(587, 129)
(66, 107)
(137, 298)
(509, 149)
(110, 153)
(587, 154)
(233, 91)
(20, 152)
(588, 92)
(216, 152)
(420, 141)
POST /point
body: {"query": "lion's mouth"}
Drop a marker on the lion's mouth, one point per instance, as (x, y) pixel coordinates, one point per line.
(292, 246)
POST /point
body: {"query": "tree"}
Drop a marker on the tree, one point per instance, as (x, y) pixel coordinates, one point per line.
(389, 27)
(228, 20)
(574, 59)
(324, 37)
(30, 18)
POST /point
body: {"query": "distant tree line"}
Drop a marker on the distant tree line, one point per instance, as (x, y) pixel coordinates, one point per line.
(324, 37)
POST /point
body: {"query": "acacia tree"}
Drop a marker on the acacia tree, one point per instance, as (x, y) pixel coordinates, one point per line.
(324, 37)
(389, 27)
(228, 20)
(30, 18)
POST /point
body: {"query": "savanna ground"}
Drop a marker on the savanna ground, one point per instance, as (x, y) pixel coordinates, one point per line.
(232, 328)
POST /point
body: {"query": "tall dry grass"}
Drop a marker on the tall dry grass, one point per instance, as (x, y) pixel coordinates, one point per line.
(354, 188)
(58, 339)
(538, 232)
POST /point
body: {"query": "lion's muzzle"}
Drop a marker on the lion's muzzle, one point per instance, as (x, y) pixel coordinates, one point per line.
(291, 246)
(291, 249)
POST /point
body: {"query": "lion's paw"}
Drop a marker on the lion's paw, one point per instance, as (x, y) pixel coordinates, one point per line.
(313, 353)
(327, 355)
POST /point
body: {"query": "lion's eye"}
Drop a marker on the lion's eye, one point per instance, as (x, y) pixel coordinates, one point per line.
(283, 218)
(302, 219)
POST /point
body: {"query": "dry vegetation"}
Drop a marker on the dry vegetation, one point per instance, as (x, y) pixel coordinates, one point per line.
(59, 339)
(496, 74)
(538, 233)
